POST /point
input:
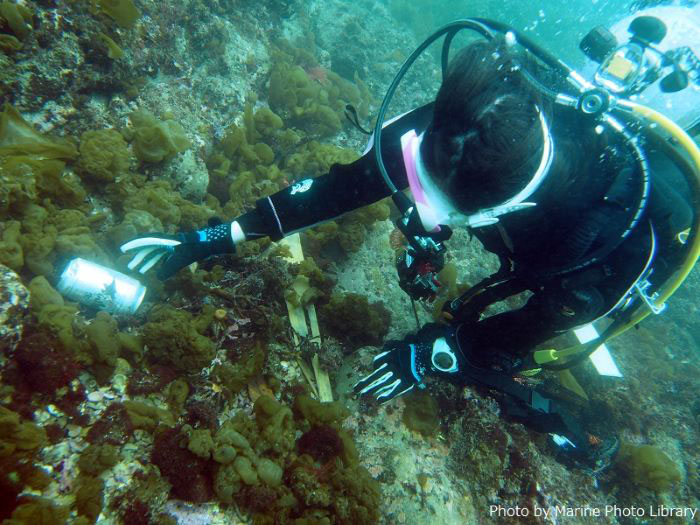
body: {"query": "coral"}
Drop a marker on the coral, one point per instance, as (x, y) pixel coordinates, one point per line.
(351, 318)
(20, 440)
(9, 43)
(349, 231)
(313, 159)
(135, 222)
(242, 169)
(351, 235)
(270, 473)
(647, 466)
(103, 155)
(275, 425)
(252, 462)
(353, 227)
(173, 338)
(51, 233)
(62, 322)
(159, 199)
(131, 346)
(156, 140)
(25, 179)
(317, 413)
(421, 414)
(319, 280)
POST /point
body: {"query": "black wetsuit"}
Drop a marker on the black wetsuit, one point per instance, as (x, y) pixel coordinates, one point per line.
(538, 242)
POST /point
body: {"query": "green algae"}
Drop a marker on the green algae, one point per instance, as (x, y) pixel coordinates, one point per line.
(123, 12)
(18, 17)
(648, 467)
(17, 137)
(95, 459)
(309, 96)
(353, 319)
(235, 376)
(155, 140)
(103, 155)
(173, 338)
(40, 511)
(147, 416)
(421, 414)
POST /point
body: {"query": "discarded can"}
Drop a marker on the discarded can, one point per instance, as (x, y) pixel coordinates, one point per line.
(95, 285)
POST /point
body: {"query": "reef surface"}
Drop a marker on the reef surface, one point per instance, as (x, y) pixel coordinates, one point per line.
(122, 117)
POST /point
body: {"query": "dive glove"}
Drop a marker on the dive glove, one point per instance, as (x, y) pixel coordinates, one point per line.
(403, 364)
(179, 250)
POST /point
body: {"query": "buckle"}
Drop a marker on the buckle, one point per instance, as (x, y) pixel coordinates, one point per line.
(641, 287)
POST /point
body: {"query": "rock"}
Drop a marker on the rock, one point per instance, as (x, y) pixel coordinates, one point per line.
(189, 176)
(14, 302)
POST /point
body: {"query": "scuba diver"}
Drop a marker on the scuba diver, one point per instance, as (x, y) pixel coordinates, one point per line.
(584, 202)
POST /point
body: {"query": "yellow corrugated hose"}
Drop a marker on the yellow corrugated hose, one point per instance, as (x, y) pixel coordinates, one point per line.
(665, 291)
(693, 151)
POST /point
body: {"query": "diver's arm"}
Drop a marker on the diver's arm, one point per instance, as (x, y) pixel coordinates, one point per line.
(343, 189)
(309, 202)
(297, 207)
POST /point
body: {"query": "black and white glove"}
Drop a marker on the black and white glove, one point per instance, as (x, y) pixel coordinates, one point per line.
(403, 364)
(179, 250)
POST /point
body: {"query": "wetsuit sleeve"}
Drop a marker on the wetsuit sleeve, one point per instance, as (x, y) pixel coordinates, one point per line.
(344, 188)
(312, 201)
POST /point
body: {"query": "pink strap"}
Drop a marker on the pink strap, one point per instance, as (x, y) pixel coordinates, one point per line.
(408, 142)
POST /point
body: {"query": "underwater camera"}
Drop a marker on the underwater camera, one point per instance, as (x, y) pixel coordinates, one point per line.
(629, 68)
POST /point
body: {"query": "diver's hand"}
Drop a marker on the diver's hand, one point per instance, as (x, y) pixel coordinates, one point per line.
(177, 251)
(395, 373)
(433, 351)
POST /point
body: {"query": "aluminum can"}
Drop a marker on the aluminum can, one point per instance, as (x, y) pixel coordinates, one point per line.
(95, 285)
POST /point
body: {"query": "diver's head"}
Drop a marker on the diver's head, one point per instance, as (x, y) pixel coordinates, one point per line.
(486, 140)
